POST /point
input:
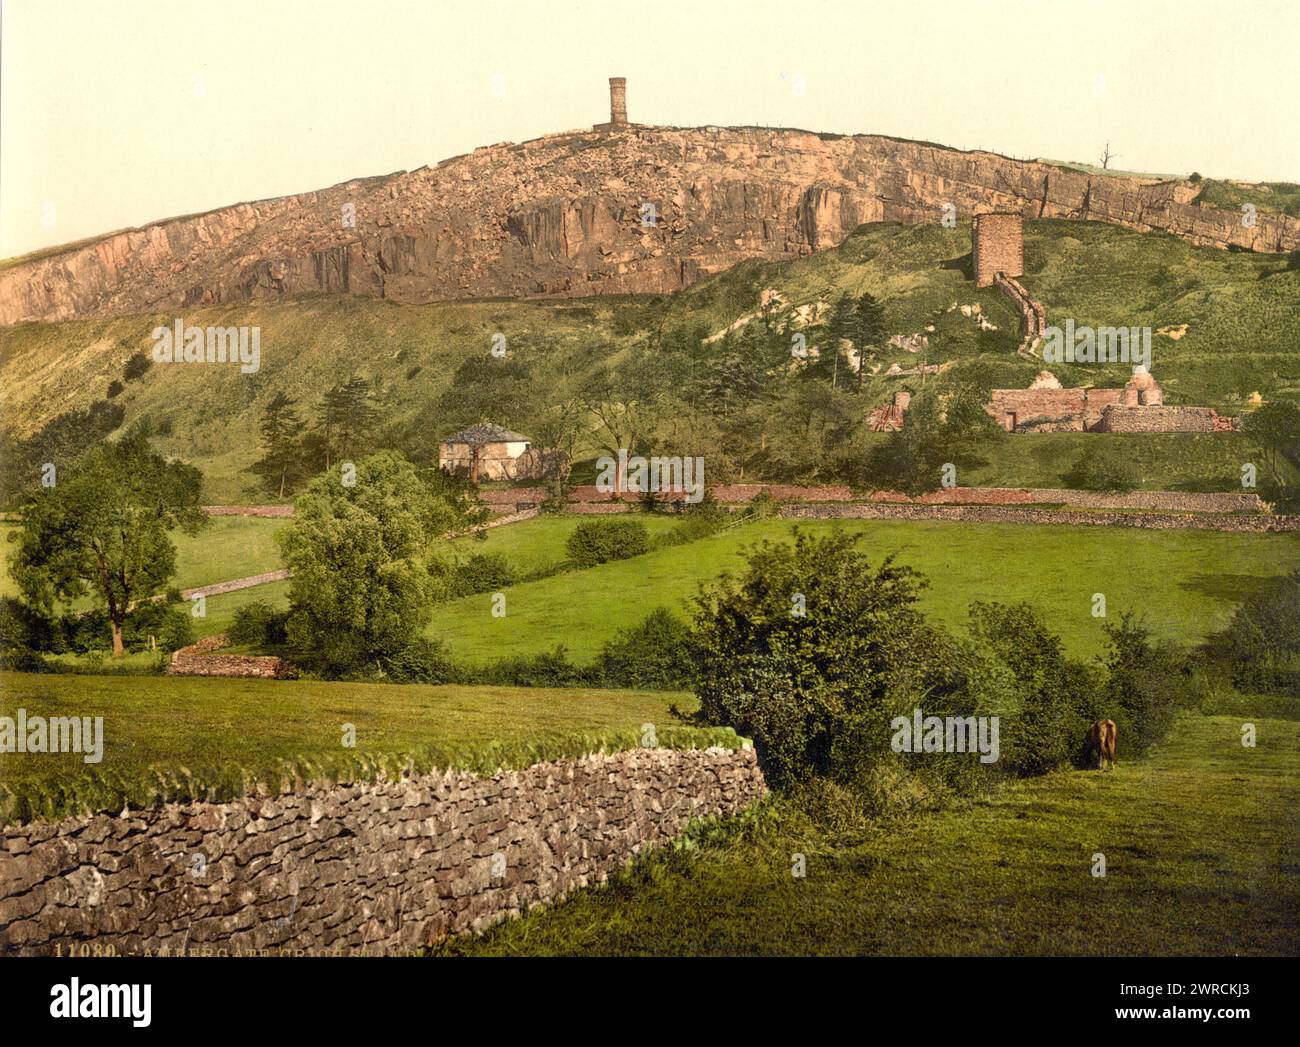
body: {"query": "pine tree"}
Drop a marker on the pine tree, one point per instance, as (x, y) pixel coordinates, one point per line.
(282, 463)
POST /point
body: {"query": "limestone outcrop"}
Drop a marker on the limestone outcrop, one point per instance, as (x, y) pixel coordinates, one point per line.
(635, 209)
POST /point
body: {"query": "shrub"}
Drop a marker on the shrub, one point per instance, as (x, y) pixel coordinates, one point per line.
(1102, 470)
(656, 654)
(1260, 648)
(595, 542)
(1046, 714)
(259, 625)
(551, 669)
(811, 653)
(481, 573)
(136, 366)
(420, 661)
(1147, 683)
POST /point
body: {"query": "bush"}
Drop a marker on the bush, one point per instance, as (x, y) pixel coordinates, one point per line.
(656, 654)
(1146, 685)
(1102, 470)
(552, 669)
(1260, 648)
(1045, 715)
(481, 573)
(595, 542)
(811, 654)
(259, 625)
(420, 661)
(136, 366)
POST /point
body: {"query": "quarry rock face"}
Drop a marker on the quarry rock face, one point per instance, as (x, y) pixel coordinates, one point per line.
(624, 210)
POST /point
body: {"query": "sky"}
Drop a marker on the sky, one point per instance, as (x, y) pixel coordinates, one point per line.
(115, 113)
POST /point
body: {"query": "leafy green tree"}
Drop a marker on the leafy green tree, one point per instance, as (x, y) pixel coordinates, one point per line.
(362, 590)
(283, 463)
(941, 427)
(1273, 432)
(101, 530)
(811, 652)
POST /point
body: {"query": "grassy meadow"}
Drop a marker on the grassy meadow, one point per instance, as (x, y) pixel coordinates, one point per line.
(175, 738)
(1186, 583)
(1201, 843)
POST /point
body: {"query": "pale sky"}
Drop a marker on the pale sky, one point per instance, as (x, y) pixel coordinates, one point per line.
(115, 113)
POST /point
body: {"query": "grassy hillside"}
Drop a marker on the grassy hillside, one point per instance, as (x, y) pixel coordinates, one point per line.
(1243, 337)
(1200, 840)
(173, 738)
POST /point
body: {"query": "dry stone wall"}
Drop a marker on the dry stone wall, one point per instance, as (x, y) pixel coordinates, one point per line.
(1072, 518)
(383, 867)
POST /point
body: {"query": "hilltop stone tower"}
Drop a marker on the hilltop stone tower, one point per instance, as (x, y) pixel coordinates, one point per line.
(618, 101)
(617, 105)
(998, 246)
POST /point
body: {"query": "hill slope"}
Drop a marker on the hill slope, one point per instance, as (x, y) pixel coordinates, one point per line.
(565, 216)
(1243, 336)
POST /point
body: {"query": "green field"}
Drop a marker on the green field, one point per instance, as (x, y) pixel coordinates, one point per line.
(173, 738)
(1201, 844)
(1186, 583)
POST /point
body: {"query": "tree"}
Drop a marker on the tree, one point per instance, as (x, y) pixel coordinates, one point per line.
(346, 419)
(362, 589)
(282, 464)
(1273, 432)
(811, 653)
(102, 529)
(940, 428)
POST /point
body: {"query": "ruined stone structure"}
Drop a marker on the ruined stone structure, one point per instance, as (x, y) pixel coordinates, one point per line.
(560, 216)
(386, 867)
(201, 659)
(998, 246)
(1033, 317)
(1046, 407)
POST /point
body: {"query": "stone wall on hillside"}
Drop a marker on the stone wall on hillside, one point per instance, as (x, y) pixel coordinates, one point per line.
(999, 514)
(1119, 418)
(384, 867)
(201, 659)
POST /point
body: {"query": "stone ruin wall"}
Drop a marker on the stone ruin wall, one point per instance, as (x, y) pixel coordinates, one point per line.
(998, 247)
(1121, 418)
(385, 867)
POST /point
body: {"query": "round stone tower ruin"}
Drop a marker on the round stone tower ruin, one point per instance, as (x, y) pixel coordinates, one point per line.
(617, 106)
(618, 101)
(998, 246)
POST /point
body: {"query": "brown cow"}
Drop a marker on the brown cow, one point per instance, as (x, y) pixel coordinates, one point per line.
(1101, 742)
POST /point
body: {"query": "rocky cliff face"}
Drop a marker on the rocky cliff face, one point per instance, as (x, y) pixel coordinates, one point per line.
(567, 216)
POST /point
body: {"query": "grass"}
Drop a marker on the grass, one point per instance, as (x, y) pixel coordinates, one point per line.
(1186, 583)
(1200, 842)
(229, 547)
(1243, 334)
(178, 738)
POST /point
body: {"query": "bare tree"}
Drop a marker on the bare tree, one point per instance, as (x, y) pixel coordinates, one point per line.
(1107, 156)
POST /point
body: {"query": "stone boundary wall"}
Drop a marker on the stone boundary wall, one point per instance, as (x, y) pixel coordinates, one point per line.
(235, 584)
(1121, 418)
(248, 510)
(999, 514)
(384, 867)
(588, 500)
(198, 660)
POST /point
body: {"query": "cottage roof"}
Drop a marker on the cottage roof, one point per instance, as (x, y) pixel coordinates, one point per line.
(485, 433)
